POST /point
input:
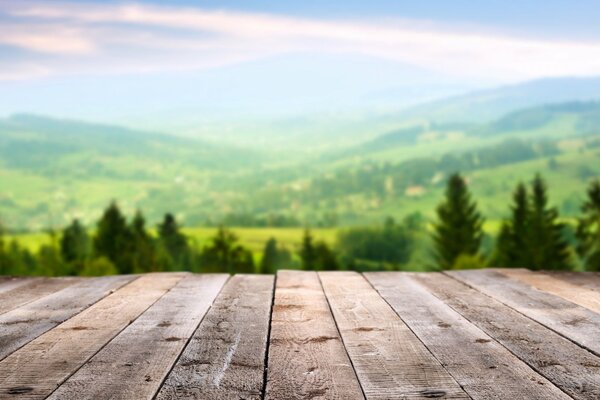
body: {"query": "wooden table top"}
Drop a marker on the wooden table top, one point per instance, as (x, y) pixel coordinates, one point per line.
(480, 334)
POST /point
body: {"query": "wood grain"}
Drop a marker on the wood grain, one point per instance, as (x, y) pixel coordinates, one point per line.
(390, 361)
(307, 359)
(133, 365)
(472, 357)
(588, 280)
(26, 323)
(44, 363)
(587, 298)
(225, 358)
(568, 366)
(8, 283)
(574, 322)
(32, 290)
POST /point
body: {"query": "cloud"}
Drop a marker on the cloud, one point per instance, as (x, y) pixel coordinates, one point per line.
(124, 38)
(39, 38)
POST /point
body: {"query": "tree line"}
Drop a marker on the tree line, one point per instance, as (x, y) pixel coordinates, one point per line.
(532, 237)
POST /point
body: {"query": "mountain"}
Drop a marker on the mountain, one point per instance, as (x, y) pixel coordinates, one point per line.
(486, 105)
(54, 170)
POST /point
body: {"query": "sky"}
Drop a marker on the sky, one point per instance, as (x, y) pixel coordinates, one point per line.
(121, 61)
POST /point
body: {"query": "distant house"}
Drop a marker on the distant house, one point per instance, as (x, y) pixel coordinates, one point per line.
(414, 191)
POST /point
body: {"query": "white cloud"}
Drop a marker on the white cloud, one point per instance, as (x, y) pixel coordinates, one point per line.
(134, 37)
(45, 39)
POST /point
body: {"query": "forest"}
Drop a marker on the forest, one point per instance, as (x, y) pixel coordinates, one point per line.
(534, 236)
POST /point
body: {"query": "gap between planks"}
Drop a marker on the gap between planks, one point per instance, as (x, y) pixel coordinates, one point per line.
(34, 371)
(567, 365)
(472, 357)
(135, 362)
(225, 357)
(390, 361)
(576, 323)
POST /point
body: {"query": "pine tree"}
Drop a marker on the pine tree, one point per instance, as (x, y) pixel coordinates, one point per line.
(511, 248)
(268, 263)
(49, 261)
(224, 254)
(588, 229)
(143, 247)
(174, 242)
(325, 258)
(307, 251)
(5, 266)
(74, 246)
(274, 257)
(545, 242)
(459, 227)
(113, 239)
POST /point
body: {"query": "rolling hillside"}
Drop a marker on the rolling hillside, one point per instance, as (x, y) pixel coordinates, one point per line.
(54, 170)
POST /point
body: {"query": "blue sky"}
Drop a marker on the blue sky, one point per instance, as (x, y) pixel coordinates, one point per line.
(549, 17)
(117, 60)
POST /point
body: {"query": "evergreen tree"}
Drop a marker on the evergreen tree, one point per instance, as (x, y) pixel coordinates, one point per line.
(113, 239)
(588, 229)
(459, 227)
(274, 257)
(50, 262)
(21, 261)
(325, 258)
(74, 245)
(224, 254)
(174, 242)
(545, 242)
(268, 263)
(307, 252)
(144, 257)
(5, 265)
(511, 247)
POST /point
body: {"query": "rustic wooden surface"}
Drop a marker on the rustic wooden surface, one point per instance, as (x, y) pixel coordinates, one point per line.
(486, 334)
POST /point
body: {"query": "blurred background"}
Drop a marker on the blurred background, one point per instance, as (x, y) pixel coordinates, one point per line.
(315, 134)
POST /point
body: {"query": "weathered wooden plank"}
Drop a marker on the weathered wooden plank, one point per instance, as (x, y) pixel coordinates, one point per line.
(390, 361)
(307, 359)
(25, 323)
(225, 358)
(579, 295)
(588, 280)
(38, 367)
(133, 364)
(574, 370)
(473, 358)
(8, 283)
(576, 323)
(31, 291)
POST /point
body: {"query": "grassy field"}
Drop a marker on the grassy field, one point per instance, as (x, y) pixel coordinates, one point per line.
(252, 238)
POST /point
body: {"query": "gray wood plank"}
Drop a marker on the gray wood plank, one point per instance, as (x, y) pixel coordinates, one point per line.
(40, 366)
(307, 359)
(26, 323)
(473, 358)
(31, 291)
(587, 298)
(576, 323)
(134, 364)
(8, 283)
(225, 358)
(570, 367)
(588, 280)
(390, 361)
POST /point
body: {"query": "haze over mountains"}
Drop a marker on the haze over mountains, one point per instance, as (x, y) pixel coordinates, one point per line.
(342, 169)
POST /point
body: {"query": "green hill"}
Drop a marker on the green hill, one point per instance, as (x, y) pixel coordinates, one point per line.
(54, 170)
